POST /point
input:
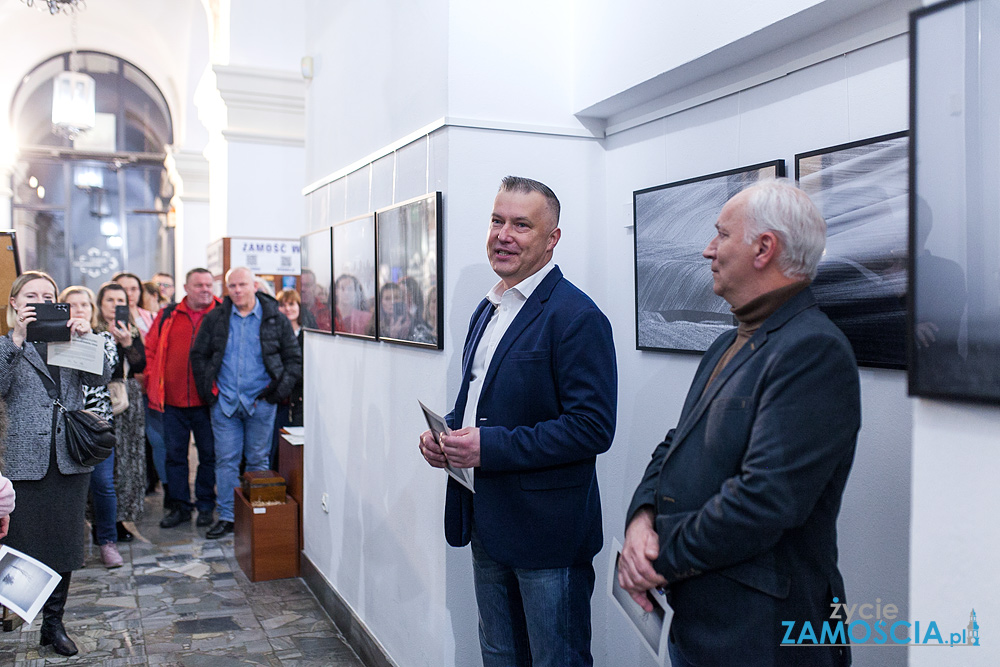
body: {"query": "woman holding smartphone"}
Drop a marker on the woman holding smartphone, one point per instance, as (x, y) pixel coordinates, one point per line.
(130, 426)
(51, 487)
(82, 304)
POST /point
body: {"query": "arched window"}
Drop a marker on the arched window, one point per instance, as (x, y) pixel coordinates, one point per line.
(87, 207)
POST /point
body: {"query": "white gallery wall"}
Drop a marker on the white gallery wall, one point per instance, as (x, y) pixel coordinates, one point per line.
(381, 545)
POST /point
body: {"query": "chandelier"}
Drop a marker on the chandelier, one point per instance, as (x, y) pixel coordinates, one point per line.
(56, 6)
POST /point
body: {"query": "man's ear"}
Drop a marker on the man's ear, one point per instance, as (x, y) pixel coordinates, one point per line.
(767, 250)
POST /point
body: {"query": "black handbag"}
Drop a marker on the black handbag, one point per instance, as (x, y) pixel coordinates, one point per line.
(89, 438)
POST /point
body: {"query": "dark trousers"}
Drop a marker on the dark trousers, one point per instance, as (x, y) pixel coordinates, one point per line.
(178, 424)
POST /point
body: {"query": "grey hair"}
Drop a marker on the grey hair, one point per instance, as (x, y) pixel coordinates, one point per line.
(777, 205)
(253, 276)
(527, 185)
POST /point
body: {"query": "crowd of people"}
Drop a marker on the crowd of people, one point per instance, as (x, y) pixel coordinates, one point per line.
(227, 371)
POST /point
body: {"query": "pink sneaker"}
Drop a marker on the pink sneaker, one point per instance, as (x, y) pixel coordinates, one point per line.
(110, 556)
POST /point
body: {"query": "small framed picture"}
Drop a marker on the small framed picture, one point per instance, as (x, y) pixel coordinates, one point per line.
(317, 281)
(354, 278)
(410, 307)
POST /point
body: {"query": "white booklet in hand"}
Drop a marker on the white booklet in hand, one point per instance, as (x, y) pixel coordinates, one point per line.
(437, 425)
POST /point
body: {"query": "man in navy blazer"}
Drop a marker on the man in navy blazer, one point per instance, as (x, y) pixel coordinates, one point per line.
(736, 514)
(536, 406)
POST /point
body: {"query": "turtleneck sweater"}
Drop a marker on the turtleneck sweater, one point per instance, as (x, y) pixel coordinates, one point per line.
(751, 315)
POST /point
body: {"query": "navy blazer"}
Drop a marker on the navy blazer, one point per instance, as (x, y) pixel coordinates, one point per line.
(747, 489)
(546, 410)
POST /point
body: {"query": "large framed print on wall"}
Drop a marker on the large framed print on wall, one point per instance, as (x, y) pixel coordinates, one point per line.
(409, 272)
(676, 309)
(354, 277)
(953, 332)
(317, 281)
(861, 188)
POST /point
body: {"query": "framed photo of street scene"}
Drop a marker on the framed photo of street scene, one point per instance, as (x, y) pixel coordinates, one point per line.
(861, 188)
(317, 281)
(953, 330)
(354, 278)
(408, 238)
(676, 309)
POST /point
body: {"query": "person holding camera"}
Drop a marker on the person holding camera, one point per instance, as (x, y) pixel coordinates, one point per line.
(51, 488)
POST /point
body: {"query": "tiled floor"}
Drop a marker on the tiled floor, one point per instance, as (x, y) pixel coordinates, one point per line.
(182, 601)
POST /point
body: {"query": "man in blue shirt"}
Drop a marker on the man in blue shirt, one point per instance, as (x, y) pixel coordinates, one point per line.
(245, 360)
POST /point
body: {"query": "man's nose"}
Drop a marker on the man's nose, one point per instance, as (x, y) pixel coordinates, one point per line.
(504, 233)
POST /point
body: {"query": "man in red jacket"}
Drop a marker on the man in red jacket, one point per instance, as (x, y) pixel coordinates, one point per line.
(171, 390)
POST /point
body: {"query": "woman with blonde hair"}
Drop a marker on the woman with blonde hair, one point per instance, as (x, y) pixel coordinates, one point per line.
(83, 304)
(51, 486)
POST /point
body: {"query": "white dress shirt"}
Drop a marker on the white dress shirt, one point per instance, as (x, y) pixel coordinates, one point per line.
(507, 304)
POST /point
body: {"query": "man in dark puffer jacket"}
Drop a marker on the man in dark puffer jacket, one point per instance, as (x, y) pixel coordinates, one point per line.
(245, 360)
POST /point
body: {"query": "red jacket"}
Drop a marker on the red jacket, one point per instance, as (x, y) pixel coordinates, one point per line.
(169, 380)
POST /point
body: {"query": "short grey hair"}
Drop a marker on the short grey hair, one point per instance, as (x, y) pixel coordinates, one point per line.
(777, 205)
(230, 272)
(527, 185)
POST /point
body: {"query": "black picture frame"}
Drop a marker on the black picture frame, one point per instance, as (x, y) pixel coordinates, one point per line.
(862, 190)
(675, 307)
(354, 289)
(409, 273)
(953, 329)
(317, 281)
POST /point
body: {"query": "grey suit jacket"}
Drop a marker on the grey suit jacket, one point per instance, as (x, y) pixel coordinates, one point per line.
(29, 411)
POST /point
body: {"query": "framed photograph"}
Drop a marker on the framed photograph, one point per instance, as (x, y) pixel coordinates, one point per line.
(317, 281)
(676, 309)
(953, 330)
(409, 272)
(354, 278)
(10, 269)
(861, 188)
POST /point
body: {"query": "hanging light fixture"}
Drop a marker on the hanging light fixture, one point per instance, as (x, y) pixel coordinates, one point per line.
(74, 94)
(56, 6)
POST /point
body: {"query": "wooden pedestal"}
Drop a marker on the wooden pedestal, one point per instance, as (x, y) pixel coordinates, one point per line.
(266, 539)
(290, 467)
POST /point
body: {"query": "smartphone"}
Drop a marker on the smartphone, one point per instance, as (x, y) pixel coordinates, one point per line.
(121, 316)
(50, 323)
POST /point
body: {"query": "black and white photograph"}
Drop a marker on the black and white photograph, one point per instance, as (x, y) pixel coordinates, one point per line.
(861, 188)
(410, 309)
(954, 329)
(25, 583)
(676, 309)
(653, 627)
(354, 271)
(317, 281)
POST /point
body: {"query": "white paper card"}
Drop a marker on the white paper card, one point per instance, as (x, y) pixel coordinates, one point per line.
(653, 627)
(84, 353)
(25, 583)
(438, 425)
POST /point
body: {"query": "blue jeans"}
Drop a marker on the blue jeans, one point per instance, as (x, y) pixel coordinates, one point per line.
(154, 433)
(237, 436)
(532, 618)
(178, 423)
(102, 493)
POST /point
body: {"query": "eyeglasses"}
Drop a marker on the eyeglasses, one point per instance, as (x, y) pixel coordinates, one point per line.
(165, 284)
